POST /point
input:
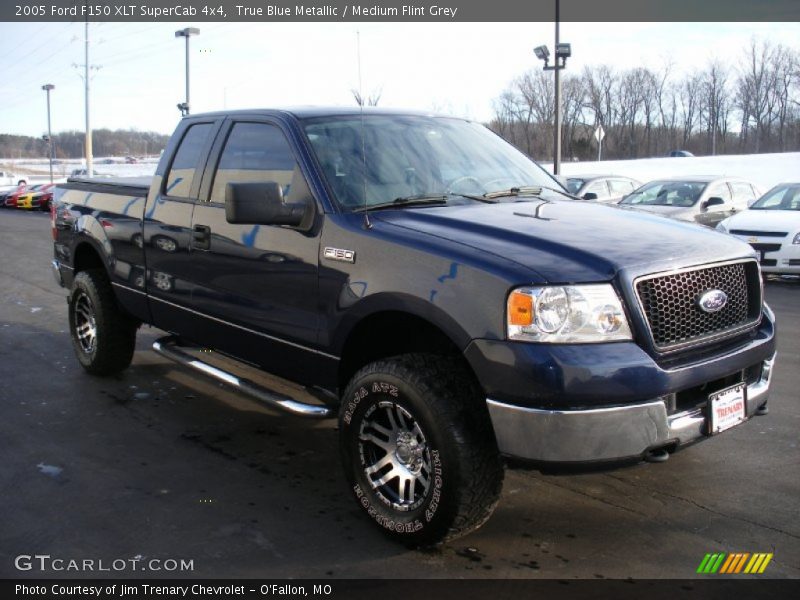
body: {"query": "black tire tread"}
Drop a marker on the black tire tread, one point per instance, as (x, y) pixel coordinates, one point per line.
(458, 405)
(116, 338)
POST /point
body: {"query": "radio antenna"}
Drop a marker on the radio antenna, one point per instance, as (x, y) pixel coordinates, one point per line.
(367, 224)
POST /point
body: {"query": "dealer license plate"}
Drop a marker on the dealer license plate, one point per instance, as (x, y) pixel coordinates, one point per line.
(726, 408)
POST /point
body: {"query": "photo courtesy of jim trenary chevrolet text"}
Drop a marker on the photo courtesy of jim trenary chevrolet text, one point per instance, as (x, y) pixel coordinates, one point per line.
(459, 299)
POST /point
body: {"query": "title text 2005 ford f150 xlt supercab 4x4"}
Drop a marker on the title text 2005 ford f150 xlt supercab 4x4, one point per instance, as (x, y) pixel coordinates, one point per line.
(432, 286)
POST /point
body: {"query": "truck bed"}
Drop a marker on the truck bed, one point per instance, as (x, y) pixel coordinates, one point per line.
(123, 185)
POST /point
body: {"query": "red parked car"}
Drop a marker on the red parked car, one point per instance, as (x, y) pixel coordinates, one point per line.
(9, 199)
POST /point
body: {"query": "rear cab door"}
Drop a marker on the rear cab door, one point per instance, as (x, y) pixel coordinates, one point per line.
(166, 230)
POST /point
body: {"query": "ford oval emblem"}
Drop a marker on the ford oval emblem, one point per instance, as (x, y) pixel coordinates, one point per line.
(712, 301)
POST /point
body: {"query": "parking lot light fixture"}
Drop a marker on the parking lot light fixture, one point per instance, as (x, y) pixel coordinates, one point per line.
(563, 52)
(186, 33)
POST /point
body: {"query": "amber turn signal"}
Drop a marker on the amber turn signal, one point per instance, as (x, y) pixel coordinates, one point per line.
(520, 309)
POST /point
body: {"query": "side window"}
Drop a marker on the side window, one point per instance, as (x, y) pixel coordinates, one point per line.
(184, 166)
(255, 152)
(599, 188)
(620, 187)
(743, 194)
(720, 190)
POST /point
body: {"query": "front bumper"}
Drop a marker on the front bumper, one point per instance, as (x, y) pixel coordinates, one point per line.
(606, 434)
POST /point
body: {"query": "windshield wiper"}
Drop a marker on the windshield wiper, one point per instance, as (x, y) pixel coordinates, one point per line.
(484, 198)
(527, 191)
(515, 191)
(421, 200)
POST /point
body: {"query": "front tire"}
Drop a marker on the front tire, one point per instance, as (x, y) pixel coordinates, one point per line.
(418, 448)
(102, 335)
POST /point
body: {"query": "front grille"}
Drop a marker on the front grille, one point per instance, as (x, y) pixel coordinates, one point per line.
(749, 232)
(766, 247)
(670, 304)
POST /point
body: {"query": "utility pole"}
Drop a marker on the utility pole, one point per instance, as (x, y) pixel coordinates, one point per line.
(187, 32)
(89, 163)
(86, 85)
(47, 87)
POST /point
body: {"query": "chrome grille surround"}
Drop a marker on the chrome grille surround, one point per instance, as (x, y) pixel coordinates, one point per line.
(669, 304)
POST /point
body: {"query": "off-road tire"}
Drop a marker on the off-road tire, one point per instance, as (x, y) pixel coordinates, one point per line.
(453, 448)
(93, 308)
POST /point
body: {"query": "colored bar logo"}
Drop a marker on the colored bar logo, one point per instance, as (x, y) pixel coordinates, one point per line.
(735, 563)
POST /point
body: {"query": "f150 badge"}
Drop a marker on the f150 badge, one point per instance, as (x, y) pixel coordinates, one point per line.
(339, 254)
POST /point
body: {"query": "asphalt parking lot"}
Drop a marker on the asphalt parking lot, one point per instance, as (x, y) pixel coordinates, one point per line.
(159, 463)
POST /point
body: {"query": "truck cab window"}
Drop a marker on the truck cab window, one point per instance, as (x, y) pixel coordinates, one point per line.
(255, 152)
(184, 166)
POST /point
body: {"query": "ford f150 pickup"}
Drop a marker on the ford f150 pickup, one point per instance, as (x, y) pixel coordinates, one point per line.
(430, 285)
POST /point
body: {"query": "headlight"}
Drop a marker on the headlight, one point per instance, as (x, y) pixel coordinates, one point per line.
(796, 239)
(566, 314)
(721, 227)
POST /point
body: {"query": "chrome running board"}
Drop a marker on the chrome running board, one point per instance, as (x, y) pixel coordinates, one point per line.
(169, 347)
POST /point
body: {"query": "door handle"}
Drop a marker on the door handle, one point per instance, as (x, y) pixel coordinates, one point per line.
(201, 237)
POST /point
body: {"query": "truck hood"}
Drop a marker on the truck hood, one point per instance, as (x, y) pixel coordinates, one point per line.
(567, 241)
(674, 212)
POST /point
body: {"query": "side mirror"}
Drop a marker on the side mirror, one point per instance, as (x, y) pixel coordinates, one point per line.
(589, 196)
(713, 201)
(262, 203)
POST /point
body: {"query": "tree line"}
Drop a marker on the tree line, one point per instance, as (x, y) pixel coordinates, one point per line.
(751, 107)
(70, 144)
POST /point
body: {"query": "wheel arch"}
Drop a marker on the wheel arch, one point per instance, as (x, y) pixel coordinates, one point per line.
(86, 256)
(391, 332)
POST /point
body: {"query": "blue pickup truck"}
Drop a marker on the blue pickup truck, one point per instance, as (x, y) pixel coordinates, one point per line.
(429, 285)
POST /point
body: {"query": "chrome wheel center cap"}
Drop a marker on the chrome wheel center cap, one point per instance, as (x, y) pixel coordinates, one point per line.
(409, 451)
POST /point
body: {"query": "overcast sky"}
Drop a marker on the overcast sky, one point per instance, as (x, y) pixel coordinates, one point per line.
(455, 68)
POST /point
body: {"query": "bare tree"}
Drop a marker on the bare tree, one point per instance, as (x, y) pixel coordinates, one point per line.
(371, 100)
(714, 101)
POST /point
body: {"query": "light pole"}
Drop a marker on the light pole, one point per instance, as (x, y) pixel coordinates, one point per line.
(47, 87)
(187, 32)
(563, 52)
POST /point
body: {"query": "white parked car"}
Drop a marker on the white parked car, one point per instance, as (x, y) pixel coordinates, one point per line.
(772, 227)
(697, 199)
(9, 178)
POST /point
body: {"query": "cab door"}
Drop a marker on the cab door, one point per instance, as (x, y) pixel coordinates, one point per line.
(165, 232)
(712, 215)
(256, 285)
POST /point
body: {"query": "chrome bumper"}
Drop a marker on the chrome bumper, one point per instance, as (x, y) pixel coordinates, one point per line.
(56, 267)
(605, 434)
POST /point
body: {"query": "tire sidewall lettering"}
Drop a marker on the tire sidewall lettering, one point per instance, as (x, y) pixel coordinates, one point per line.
(374, 507)
(379, 387)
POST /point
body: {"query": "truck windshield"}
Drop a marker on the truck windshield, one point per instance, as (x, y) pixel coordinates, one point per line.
(416, 156)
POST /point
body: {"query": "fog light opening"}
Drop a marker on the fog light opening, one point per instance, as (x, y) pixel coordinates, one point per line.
(657, 455)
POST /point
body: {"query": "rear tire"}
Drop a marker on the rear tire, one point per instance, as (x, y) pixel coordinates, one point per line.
(418, 448)
(102, 335)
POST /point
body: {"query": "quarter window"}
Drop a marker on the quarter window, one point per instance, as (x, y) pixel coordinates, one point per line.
(184, 167)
